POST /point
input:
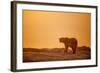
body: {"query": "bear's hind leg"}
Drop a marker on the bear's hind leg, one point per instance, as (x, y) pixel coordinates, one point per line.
(74, 50)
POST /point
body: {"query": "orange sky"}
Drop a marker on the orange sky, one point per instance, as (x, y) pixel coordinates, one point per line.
(42, 29)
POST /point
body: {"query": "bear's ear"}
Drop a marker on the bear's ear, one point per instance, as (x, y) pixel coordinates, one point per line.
(67, 39)
(61, 39)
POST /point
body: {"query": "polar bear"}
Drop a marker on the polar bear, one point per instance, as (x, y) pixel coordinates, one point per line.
(69, 42)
